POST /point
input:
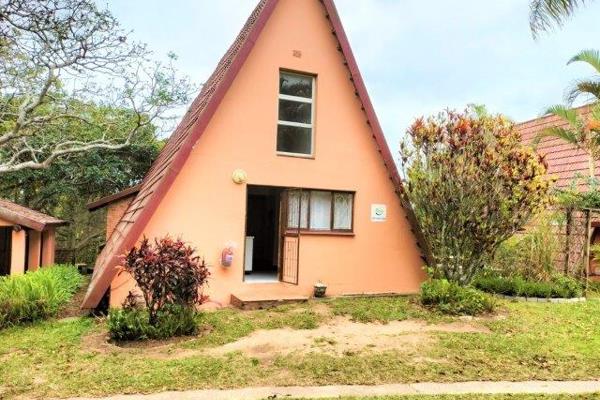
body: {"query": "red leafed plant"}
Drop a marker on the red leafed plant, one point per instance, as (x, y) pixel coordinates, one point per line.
(167, 272)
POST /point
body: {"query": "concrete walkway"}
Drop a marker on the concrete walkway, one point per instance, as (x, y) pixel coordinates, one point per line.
(319, 392)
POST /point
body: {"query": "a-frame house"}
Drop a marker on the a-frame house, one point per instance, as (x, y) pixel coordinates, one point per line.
(280, 157)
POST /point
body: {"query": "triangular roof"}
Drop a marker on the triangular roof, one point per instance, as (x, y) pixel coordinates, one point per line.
(170, 161)
(27, 217)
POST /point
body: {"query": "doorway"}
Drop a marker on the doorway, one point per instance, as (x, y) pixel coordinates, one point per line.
(5, 250)
(261, 258)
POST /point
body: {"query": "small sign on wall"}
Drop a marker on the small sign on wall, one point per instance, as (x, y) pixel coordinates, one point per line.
(378, 212)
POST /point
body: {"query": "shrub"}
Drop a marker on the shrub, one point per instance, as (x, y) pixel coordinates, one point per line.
(559, 286)
(167, 273)
(36, 295)
(532, 255)
(133, 323)
(451, 298)
(473, 185)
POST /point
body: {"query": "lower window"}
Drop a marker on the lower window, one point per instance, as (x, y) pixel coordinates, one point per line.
(320, 210)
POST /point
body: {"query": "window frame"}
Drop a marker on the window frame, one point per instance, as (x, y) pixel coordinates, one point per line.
(331, 231)
(298, 99)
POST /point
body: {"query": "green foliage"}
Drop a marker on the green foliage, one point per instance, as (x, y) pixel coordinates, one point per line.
(559, 286)
(36, 295)
(533, 254)
(451, 298)
(473, 185)
(546, 13)
(64, 189)
(133, 324)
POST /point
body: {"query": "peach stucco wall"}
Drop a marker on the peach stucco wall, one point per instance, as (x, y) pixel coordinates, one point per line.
(205, 208)
(19, 247)
(114, 212)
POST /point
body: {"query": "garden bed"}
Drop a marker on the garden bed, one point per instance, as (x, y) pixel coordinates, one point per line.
(544, 299)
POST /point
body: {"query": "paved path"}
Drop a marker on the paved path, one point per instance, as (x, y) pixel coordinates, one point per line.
(318, 392)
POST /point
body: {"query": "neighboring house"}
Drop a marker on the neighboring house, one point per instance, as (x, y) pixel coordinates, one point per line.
(116, 205)
(27, 238)
(566, 163)
(280, 157)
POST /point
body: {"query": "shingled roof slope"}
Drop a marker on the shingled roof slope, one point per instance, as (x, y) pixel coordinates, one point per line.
(27, 217)
(565, 161)
(165, 169)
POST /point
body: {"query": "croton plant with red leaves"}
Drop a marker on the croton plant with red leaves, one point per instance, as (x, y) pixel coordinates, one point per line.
(167, 272)
(473, 184)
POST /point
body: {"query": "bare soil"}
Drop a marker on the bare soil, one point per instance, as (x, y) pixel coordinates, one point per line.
(338, 337)
(342, 336)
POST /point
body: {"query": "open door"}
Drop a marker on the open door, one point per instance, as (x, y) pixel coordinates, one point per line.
(292, 219)
(5, 250)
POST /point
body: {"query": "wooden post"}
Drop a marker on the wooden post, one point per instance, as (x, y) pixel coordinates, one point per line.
(586, 251)
(568, 240)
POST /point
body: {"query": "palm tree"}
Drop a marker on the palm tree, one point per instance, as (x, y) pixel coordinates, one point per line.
(582, 131)
(546, 13)
(589, 88)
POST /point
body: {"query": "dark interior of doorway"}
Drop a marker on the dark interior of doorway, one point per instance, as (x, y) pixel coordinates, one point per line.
(262, 228)
(5, 250)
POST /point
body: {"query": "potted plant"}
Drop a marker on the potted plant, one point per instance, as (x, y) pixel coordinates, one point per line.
(320, 289)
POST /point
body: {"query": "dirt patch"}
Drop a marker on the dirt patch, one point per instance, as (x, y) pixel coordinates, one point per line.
(339, 337)
(342, 336)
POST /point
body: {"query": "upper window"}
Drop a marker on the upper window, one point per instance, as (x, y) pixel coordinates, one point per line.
(320, 210)
(296, 113)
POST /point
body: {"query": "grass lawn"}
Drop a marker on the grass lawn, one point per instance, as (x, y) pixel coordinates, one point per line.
(525, 341)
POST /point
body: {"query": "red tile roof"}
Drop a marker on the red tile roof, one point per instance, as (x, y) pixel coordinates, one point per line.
(165, 169)
(565, 161)
(27, 217)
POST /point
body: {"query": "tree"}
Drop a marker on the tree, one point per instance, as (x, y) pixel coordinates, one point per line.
(582, 132)
(589, 88)
(63, 63)
(68, 184)
(546, 13)
(472, 185)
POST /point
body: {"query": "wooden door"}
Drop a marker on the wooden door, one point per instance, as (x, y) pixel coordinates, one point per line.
(5, 250)
(290, 236)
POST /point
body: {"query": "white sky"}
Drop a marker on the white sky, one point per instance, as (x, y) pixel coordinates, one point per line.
(416, 56)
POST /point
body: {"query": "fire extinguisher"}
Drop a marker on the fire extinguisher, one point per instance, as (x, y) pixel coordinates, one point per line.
(227, 257)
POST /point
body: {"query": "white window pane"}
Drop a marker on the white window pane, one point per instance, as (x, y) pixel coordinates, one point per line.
(296, 85)
(295, 111)
(320, 211)
(293, 139)
(342, 211)
(294, 208)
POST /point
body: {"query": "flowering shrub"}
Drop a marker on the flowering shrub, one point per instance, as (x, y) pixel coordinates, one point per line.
(473, 185)
(167, 273)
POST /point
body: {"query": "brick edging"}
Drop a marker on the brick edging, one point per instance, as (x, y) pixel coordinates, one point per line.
(543, 299)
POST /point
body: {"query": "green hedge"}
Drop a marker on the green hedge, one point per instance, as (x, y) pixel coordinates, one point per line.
(559, 286)
(37, 295)
(451, 298)
(133, 324)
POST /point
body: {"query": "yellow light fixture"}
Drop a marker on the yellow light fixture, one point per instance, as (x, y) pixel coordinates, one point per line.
(239, 176)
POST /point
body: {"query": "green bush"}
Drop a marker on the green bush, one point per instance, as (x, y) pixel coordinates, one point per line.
(559, 286)
(36, 295)
(451, 298)
(133, 323)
